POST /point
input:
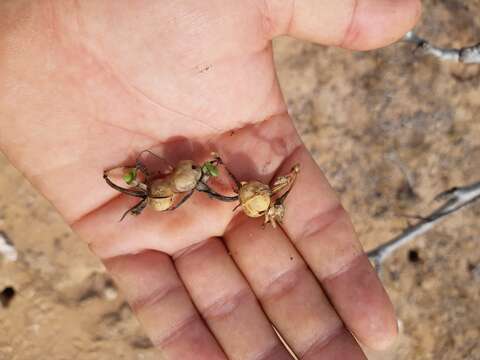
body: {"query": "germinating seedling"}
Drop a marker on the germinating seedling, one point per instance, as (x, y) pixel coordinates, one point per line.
(161, 194)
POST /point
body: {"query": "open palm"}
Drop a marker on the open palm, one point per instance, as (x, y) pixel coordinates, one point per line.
(87, 85)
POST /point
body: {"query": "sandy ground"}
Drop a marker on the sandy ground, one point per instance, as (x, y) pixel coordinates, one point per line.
(390, 128)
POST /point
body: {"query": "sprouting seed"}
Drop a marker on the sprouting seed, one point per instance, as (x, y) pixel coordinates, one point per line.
(169, 192)
(258, 199)
(255, 198)
(161, 194)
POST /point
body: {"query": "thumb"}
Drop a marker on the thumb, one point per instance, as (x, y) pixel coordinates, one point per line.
(352, 24)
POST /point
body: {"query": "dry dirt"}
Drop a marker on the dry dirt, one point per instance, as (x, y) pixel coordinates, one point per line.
(390, 128)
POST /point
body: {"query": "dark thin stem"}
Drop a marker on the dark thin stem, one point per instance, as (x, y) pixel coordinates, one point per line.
(131, 192)
(182, 201)
(220, 162)
(220, 197)
(141, 166)
(144, 168)
(202, 187)
(136, 209)
(151, 153)
(282, 198)
(158, 197)
(236, 207)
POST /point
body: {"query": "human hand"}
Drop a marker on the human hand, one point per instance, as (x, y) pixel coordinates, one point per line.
(88, 85)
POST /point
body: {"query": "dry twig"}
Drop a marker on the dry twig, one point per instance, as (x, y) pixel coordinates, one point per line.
(454, 200)
(466, 55)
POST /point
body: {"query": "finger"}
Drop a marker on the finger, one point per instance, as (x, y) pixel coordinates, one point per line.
(163, 306)
(353, 24)
(321, 230)
(287, 290)
(227, 303)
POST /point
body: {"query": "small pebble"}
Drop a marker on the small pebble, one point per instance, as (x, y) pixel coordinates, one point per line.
(7, 250)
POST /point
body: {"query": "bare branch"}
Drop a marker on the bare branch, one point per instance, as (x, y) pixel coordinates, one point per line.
(454, 200)
(466, 55)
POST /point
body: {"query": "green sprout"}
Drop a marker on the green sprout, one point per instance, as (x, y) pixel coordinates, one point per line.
(210, 169)
(130, 176)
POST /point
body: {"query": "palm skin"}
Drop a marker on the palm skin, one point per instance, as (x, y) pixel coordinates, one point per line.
(87, 85)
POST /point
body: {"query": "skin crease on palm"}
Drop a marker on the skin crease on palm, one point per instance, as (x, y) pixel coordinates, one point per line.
(86, 85)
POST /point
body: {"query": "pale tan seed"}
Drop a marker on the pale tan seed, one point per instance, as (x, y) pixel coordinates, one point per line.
(185, 177)
(255, 198)
(161, 188)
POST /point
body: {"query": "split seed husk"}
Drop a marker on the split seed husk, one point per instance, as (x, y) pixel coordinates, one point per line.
(255, 198)
(161, 188)
(185, 176)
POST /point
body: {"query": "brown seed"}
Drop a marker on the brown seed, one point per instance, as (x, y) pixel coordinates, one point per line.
(185, 176)
(255, 198)
(161, 188)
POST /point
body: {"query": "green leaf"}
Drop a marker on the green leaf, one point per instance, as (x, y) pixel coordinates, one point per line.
(210, 169)
(130, 176)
